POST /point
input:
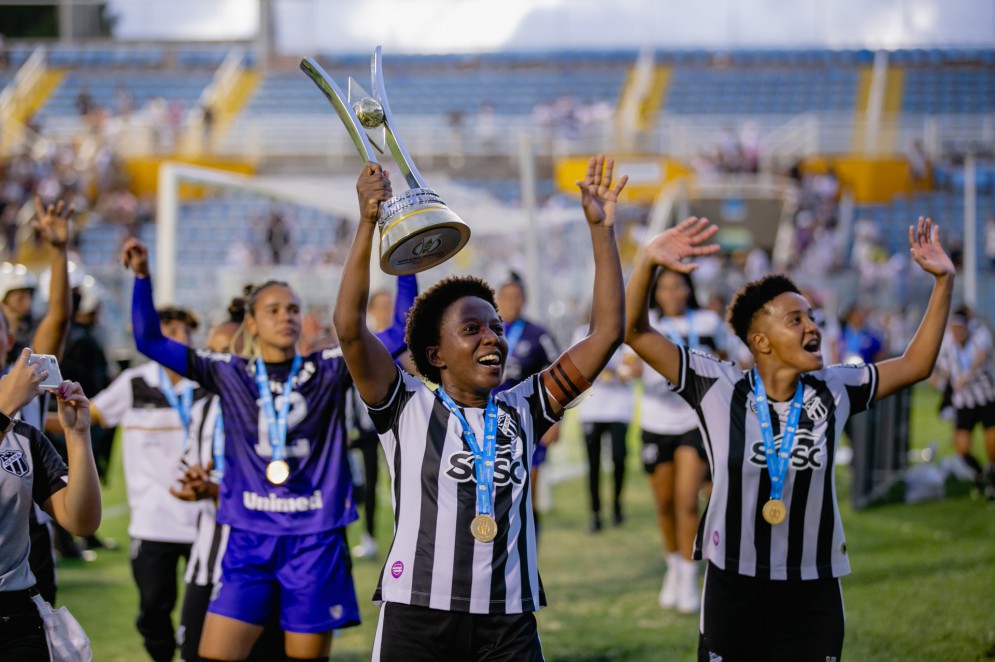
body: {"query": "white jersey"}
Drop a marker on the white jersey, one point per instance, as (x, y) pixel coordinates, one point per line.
(433, 560)
(153, 439)
(611, 399)
(204, 566)
(954, 361)
(663, 411)
(733, 535)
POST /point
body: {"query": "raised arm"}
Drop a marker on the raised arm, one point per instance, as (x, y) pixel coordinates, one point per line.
(589, 356)
(369, 362)
(919, 358)
(667, 249)
(53, 223)
(77, 507)
(393, 336)
(145, 323)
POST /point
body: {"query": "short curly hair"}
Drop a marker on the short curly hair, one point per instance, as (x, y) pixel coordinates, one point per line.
(752, 297)
(169, 314)
(425, 317)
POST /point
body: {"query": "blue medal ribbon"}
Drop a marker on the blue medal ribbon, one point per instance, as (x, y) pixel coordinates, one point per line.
(483, 458)
(182, 403)
(693, 341)
(218, 445)
(276, 421)
(778, 459)
(513, 333)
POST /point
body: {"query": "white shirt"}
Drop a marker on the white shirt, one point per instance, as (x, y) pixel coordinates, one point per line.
(153, 438)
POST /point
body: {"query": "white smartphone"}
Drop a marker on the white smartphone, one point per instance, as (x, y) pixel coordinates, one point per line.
(50, 364)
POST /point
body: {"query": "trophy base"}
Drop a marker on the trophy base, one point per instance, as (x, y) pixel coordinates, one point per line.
(417, 232)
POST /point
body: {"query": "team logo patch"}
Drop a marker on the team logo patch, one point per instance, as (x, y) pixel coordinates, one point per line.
(816, 410)
(806, 453)
(507, 426)
(13, 463)
(397, 569)
(336, 611)
(715, 538)
(753, 404)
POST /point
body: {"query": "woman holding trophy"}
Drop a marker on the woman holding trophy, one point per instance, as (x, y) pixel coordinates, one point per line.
(460, 579)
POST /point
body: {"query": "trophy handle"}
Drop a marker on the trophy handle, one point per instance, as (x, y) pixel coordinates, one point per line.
(401, 156)
(345, 112)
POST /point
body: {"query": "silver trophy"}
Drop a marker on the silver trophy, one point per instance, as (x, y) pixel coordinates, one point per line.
(417, 229)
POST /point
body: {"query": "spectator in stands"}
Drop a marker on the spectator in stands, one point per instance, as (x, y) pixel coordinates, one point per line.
(990, 242)
(279, 239)
(84, 101)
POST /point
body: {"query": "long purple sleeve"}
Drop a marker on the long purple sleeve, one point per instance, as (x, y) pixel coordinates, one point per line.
(393, 336)
(148, 333)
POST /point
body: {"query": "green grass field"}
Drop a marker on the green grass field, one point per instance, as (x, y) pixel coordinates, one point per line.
(922, 587)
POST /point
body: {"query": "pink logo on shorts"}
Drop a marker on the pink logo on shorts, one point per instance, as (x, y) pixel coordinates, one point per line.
(715, 538)
(397, 569)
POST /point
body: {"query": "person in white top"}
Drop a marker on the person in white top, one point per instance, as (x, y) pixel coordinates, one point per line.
(152, 404)
(673, 451)
(608, 410)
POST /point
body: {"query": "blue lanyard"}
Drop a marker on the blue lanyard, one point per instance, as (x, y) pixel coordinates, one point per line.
(483, 458)
(514, 333)
(693, 340)
(777, 459)
(181, 404)
(276, 421)
(218, 444)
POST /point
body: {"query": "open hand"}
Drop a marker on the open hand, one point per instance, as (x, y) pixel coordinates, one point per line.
(74, 408)
(926, 249)
(53, 222)
(597, 195)
(135, 256)
(373, 187)
(669, 249)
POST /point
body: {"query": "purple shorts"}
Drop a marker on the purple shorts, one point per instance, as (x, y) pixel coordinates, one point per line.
(307, 577)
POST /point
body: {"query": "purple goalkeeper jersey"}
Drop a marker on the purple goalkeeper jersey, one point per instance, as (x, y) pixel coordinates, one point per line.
(318, 494)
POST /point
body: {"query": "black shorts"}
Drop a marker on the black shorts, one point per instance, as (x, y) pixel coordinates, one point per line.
(968, 418)
(407, 633)
(746, 618)
(659, 448)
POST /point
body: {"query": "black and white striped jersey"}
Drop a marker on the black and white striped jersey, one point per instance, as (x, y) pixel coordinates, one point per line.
(733, 534)
(204, 566)
(954, 361)
(433, 560)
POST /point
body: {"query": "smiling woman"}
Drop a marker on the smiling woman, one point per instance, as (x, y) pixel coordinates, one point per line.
(461, 577)
(772, 534)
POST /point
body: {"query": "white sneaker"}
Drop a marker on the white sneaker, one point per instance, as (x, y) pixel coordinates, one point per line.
(688, 596)
(668, 593)
(367, 547)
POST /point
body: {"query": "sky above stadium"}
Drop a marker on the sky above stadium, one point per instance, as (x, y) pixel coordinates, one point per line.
(442, 26)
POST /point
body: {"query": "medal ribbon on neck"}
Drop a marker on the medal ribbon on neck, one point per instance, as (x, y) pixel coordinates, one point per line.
(693, 341)
(778, 459)
(483, 457)
(276, 421)
(182, 403)
(513, 334)
(218, 445)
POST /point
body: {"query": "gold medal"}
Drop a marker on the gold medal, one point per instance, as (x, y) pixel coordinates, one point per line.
(775, 512)
(483, 528)
(277, 472)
